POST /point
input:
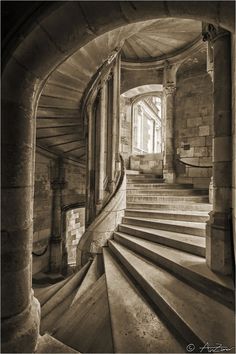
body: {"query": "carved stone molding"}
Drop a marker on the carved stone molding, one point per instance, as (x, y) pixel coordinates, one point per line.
(170, 89)
(211, 33)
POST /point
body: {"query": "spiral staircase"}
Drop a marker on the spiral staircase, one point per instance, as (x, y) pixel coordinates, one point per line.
(151, 290)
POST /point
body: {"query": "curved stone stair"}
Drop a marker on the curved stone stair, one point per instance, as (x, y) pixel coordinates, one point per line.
(154, 293)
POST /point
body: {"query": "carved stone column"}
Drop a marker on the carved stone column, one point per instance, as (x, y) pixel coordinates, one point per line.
(218, 229)
(169, 169)
(57, 186)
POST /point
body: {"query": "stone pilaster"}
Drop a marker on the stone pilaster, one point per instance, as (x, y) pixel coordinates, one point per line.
(218, 229)
(169, 167)
(57, 186)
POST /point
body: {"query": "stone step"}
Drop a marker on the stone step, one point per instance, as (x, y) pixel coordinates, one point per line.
(169, 192)
(185, 227)
(48, 344)
(143, 179)
(184, 242)
(189, 206)
(144, 176)
(195, 315)
(93, 274)
(166, 199)
(157, 186)
(195, 216)
(135, 325)
(132, 172)
(70, 286)
(44, 293)
(86, 325)
(188, 267)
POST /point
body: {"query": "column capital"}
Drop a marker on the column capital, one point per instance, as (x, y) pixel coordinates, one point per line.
(170, 89)
(212, 32)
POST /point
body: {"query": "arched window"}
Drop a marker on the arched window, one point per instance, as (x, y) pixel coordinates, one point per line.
(146, 131)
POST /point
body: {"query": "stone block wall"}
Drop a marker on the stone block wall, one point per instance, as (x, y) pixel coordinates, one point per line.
(74, 192)
(42, 211)
(193, 126)
(75, 183)
(148, 163)
(135, 78)
(75, 227)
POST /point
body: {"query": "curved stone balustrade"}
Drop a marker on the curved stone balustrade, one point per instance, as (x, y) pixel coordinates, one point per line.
(101, 229)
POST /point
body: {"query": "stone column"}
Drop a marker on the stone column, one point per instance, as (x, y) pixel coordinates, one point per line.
(218, 245)
(101, 155)
(117, 111)
(169, 166)
(20, 311)
(56, 239)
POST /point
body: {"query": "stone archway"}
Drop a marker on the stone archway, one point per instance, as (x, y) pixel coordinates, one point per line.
(54, 36)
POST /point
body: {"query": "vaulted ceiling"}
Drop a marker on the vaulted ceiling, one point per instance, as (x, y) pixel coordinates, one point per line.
(59, 125)
(161, 39)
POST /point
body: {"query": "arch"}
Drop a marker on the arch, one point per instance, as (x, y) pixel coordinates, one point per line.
(24, 75)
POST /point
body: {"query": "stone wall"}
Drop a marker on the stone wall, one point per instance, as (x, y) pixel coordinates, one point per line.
(135, 78)
(75, 227)
(74, 192)
(75, 183)
(126, 129)
(148, 163)
(193, 125)
(42, 211)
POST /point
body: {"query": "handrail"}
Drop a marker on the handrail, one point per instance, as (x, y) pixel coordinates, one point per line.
(191, 165)
(83, 247)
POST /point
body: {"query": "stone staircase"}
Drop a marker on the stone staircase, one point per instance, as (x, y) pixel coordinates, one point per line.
(152, 291)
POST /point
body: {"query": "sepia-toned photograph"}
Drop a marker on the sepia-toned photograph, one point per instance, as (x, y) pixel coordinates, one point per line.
(118, 183)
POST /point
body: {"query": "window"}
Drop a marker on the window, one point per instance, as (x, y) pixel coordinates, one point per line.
(147, 125)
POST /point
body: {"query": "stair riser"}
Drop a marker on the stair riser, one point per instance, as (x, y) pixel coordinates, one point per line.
(160, 302)
(213, 289)
(161, 207)
(167, 227)
(168, 216)
(183, 246)
(158, 186)
(171, 192)
(144, 180)
(166, 199)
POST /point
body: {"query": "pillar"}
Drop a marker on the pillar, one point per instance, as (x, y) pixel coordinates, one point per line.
(218, 246)
(101, 156)
(20, 311)
(169, 99)
(57, 186)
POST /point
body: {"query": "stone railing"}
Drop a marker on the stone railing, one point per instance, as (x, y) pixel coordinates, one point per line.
(102, 228)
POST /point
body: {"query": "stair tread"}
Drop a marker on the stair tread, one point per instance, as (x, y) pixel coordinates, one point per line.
(90, 278)
(198, 311)
(180, 237)
(186, 260)
(199, 225)
(48, 344)
(170, 190)
(177, 212)
(86, 326)
(136, 327)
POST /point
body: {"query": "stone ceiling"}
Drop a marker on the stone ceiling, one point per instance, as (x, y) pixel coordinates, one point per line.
(160, 39)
